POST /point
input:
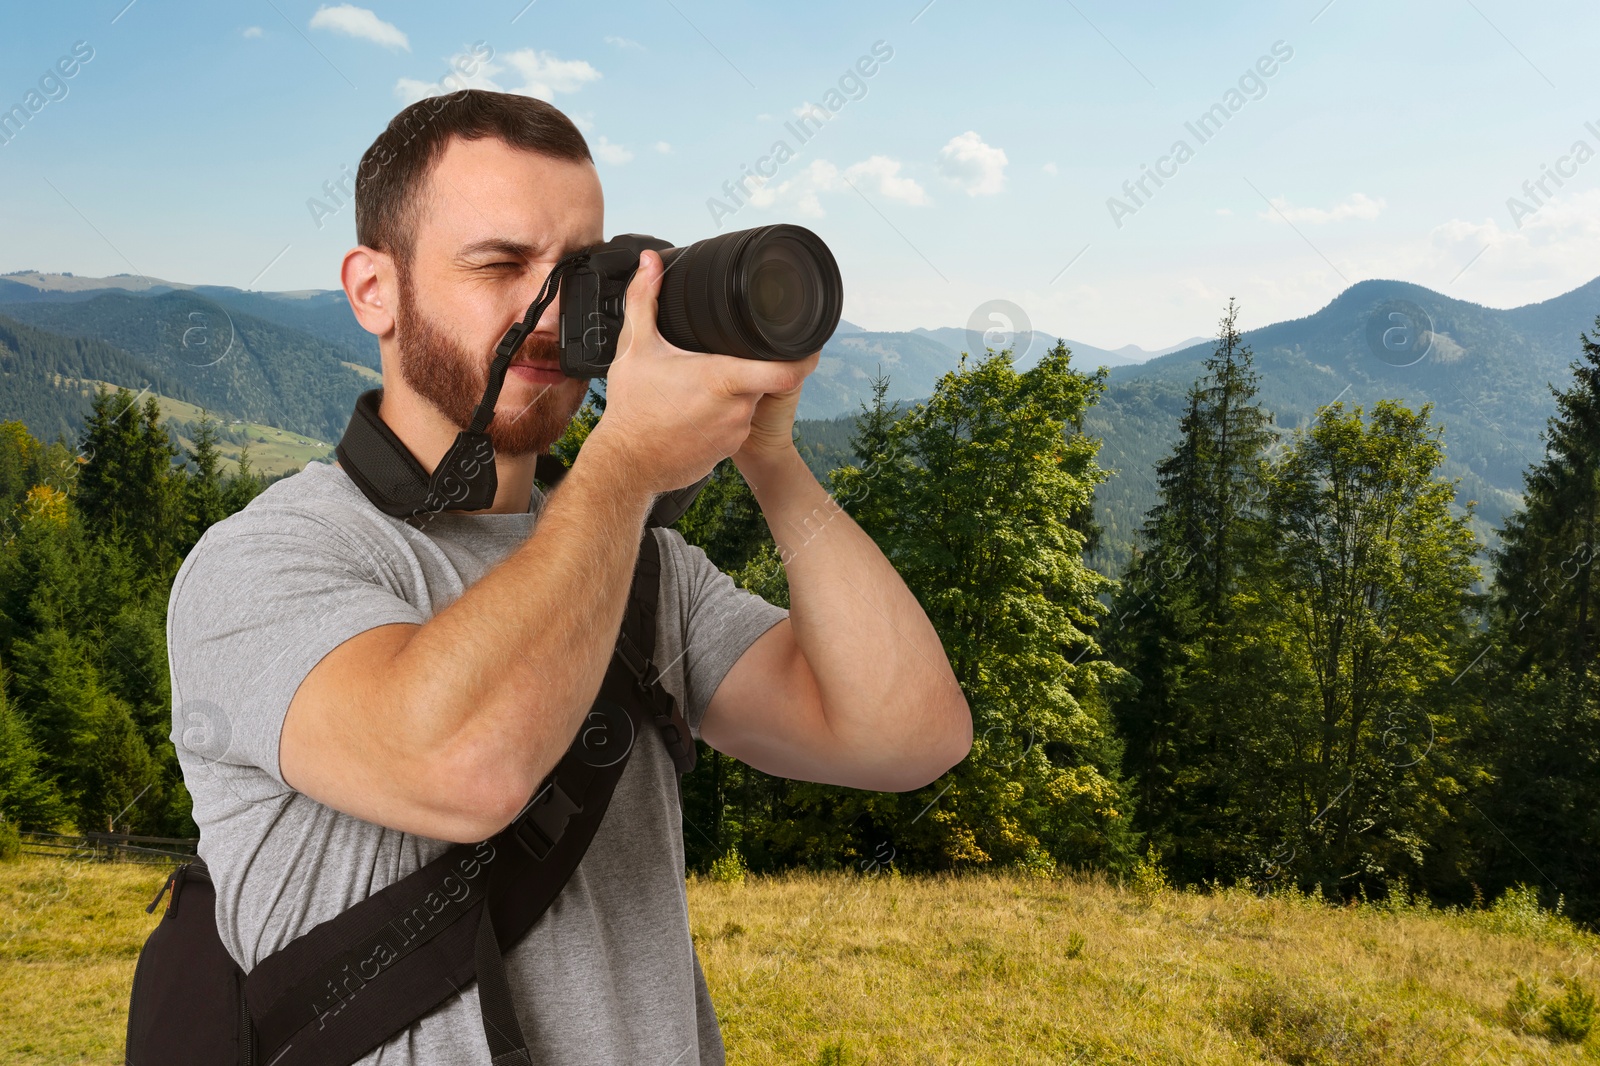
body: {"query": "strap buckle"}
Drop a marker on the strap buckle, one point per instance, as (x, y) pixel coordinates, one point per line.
(542, 822)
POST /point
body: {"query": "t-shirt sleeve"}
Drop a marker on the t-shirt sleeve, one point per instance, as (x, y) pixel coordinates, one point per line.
(718, 621)
(258, 602)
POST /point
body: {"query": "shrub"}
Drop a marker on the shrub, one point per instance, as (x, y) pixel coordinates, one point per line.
(1523, 1008)
(1148, 878)
(1302, 1028)
(1570, 1016)
(728, 867)
(1518, 911)
(10, 840)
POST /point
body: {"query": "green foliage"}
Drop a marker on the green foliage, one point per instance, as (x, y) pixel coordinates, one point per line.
(1302, 1027)
(1568, 1017)
(977, 498)
(1148, 879)
(1174, 611)
(1540, 734)
(1351, 632)
(93, 541)
(728, 867)
(1518, 911)
(27, 794)
(1524, 1006)
(188, 347)
(10, 840)
(836, 1053)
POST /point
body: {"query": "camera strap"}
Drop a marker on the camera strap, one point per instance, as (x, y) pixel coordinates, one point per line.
(391, 477)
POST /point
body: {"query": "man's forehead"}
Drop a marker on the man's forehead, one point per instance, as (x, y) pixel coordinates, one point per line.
(485, 195)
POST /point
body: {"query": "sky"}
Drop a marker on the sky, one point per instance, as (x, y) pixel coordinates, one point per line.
(1052, 155)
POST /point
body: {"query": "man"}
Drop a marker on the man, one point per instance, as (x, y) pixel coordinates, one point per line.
(352, 693)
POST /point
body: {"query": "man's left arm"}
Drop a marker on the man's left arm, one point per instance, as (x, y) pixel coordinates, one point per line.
(853, 688)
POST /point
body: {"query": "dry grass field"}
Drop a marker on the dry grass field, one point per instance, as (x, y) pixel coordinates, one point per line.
(986, 969)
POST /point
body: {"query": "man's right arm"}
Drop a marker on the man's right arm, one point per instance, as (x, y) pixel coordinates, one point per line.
(444, 729)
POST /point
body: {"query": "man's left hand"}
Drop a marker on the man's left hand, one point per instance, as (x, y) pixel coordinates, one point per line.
(772, 426)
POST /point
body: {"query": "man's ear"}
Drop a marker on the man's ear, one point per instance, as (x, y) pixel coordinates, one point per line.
(371, 287)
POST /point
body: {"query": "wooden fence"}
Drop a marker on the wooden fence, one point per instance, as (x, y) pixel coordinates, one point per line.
(110, 847)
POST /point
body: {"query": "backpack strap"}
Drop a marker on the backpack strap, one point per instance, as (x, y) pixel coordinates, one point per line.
(341, 989)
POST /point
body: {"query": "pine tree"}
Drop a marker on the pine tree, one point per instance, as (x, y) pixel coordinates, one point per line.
(244, 485)
(127, 487)
(204, 497)
(1542, 730)
(27, 795)
(1174, 608)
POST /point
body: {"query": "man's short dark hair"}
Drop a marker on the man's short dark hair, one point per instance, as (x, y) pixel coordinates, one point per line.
(395, 169)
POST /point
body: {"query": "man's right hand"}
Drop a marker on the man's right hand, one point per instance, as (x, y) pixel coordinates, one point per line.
(672, 415)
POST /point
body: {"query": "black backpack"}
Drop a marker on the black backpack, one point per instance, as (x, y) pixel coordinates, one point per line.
(351, 983)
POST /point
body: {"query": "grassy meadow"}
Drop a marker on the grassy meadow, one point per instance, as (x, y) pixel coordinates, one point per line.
(977, 969)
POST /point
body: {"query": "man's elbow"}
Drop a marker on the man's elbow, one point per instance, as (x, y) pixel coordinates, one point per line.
(957, 719)
(949, 736)
(475, 795)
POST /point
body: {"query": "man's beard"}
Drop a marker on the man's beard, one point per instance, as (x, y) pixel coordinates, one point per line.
(436, 367)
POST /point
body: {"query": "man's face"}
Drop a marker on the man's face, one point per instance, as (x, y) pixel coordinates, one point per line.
(493, 221)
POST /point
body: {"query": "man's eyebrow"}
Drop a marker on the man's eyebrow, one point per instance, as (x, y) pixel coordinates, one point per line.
(499, 246)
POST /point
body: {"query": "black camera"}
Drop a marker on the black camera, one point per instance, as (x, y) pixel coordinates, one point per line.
(773, 292)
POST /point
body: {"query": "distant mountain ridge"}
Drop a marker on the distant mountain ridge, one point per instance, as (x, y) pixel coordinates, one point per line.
(299, 359)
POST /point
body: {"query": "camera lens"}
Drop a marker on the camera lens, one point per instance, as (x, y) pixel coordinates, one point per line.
(768, 293)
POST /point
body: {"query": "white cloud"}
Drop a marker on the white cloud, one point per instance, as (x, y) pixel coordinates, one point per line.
(607, 152)
(541, 75)
(801, 193)
(1224, 211)
(1050, 169)
(885, 173)
(624, 42)
(1356, 205)
(359, 22)
(253, 31)
(978, 168)
(663, 147)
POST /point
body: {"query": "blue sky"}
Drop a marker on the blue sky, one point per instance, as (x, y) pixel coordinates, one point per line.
(975, 163)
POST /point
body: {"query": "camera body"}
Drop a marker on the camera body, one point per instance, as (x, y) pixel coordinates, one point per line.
(773, 292)
(592, 296)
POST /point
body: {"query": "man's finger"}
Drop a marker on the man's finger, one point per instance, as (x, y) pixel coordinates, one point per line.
(751, 376)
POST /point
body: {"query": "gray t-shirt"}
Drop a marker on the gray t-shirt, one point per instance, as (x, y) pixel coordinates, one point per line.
(609, 974)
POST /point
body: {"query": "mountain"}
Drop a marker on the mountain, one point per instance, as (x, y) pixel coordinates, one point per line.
(296, 361)
(1030, 346)
(1487, 373)
(323, 313)
(46, 379)
(233, 363)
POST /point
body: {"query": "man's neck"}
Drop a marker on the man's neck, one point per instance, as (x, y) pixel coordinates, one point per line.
(428, 436)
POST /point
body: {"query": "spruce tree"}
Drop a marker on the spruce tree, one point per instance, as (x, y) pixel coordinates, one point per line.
(1542, 729)
(1174, 607)
(28, 797)
(204, 492)
(127, 487)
